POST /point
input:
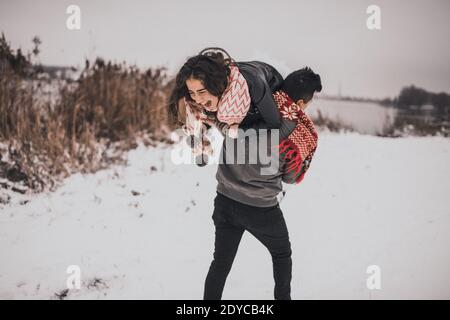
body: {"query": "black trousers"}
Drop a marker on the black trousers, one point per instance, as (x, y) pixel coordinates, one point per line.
(231, 219)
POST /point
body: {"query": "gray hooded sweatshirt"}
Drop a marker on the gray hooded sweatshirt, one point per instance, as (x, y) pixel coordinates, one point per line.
(251, 169)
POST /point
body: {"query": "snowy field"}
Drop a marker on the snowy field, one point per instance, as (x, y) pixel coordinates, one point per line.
(144, 231)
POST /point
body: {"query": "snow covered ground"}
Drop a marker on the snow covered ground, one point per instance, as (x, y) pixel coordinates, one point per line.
(138, 232)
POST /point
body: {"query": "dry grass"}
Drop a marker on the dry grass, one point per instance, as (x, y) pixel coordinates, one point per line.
(417, 123)
(89, 125)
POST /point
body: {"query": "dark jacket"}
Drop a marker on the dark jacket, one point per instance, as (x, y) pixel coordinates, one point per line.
(262, 80)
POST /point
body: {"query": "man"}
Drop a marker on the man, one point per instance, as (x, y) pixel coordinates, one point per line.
(247, 194)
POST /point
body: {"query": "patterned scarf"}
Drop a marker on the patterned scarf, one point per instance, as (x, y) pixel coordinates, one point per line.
(232, 107)
(297, 149)
(235, 101)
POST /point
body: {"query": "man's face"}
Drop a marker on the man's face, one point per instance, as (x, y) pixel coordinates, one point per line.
(200, 95)
(302, 104)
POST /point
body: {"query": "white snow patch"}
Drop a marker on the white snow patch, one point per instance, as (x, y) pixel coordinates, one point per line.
(142, 233)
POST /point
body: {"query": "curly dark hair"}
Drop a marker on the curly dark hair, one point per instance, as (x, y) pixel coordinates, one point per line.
(211, 67)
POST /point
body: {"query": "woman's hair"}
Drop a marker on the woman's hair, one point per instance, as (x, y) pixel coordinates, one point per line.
(210, 67)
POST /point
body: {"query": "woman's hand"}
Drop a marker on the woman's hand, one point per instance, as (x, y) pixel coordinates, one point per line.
(205, 119)
(232, 131)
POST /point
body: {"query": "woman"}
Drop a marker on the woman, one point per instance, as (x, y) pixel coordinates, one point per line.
(210, 87)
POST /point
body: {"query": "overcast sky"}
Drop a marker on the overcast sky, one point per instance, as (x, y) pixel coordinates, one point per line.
(330, 36)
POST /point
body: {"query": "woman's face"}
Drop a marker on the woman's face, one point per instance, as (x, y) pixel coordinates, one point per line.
(200, 95)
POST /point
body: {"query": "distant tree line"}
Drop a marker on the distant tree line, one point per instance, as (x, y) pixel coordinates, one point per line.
(413, 96)
(409, 97)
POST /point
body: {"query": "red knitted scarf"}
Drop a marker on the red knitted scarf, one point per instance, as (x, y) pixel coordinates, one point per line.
(297, 149)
